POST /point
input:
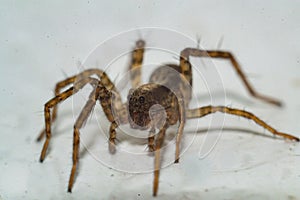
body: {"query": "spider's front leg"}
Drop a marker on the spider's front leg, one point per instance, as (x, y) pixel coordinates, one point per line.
(160, 140)
(76, 80)
(180, 128)
(158, 144)
(106, 98)
(53, 102)
(86, 111)
(112, 137)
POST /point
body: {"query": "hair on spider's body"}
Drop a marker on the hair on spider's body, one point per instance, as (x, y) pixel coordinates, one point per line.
(162, 102)
(143, 98)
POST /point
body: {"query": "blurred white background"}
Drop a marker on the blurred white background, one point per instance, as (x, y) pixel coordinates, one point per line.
(42, 42)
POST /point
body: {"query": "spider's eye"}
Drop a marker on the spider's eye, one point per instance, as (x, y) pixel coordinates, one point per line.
(142, 99)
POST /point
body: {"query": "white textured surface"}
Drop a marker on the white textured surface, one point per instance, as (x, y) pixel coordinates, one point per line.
(40, 40)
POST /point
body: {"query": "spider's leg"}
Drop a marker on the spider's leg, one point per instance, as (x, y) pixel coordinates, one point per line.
(136, 63)
(112, 137)
(203, 111)
(119, 118)
(186, 69)
(151, 138)
(76, 80)
(83, 116)
(180, 128)
(53, 102)
(158, 144)
(82, 75)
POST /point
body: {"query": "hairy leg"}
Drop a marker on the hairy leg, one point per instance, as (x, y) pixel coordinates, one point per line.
(76, 80)
(112, 137)
(186, 69)
(53, 102)
(115, 112)
(151, 138)
(180, 128)
(158, 144)
(106, 99)
(203, 111)
(83, 116)
(136, 63)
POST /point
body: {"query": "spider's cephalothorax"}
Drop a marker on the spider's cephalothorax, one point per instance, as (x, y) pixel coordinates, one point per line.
(162, 102)
(147, 104)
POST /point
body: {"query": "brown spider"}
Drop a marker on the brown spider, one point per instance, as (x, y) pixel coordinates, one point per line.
(169, 87)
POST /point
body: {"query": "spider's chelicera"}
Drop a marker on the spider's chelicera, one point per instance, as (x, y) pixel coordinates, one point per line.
(156, 105)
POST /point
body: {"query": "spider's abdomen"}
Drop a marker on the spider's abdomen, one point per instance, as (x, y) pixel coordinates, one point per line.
(170, 76)
(151, 104)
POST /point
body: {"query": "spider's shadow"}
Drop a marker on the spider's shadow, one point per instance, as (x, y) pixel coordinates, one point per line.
(231, 95)
(171, 136)
(232, 129)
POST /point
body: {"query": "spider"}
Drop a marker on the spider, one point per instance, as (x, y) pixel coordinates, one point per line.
(169, 86)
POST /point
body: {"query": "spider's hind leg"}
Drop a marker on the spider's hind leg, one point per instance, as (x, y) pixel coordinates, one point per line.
(203, 111)
(185, 66)
(136, 63)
